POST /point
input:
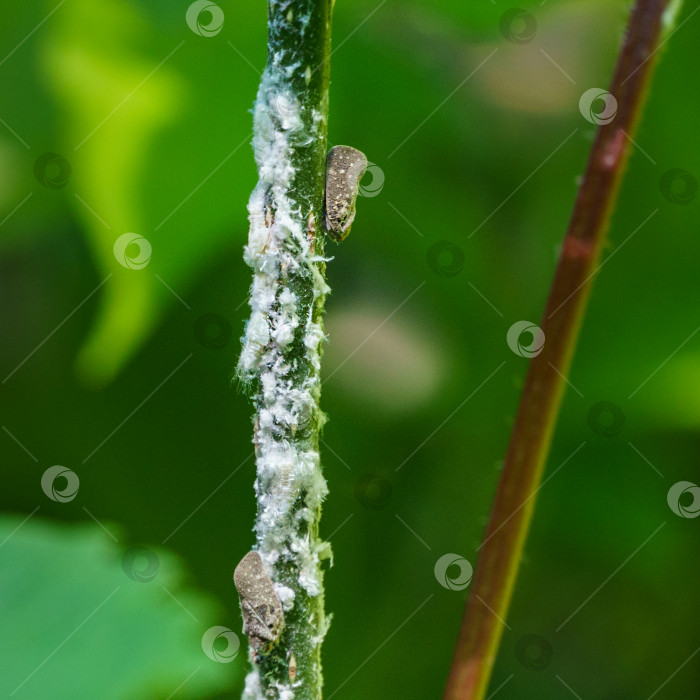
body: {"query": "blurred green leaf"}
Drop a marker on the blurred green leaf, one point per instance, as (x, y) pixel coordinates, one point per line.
(144, 160)
(69, 605)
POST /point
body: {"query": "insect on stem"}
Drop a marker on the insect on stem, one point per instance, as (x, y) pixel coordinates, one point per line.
(345, 167)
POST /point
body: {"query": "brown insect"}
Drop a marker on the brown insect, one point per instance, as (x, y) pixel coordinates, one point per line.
(345, 167)
(263, 617)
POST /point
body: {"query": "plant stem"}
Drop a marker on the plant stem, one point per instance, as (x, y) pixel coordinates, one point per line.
(513, 505)
(280, 361)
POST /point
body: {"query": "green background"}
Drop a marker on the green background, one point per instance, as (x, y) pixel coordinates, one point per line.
(154, 122)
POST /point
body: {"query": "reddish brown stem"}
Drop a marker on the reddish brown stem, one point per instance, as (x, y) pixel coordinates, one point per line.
(511, 513)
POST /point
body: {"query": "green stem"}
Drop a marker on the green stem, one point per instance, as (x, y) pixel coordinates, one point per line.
(280, 361)
(513, 505)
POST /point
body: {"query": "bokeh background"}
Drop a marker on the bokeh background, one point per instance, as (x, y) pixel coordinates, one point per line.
(119, 117)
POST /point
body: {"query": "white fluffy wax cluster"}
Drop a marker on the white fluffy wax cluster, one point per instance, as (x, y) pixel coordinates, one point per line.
(279, 336)
(276, 249)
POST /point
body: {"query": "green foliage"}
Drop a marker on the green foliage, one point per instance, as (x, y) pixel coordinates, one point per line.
(182, 448)
(75, 625)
